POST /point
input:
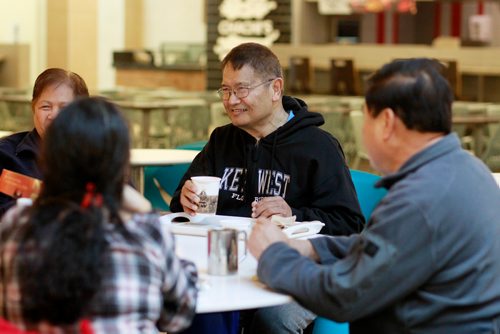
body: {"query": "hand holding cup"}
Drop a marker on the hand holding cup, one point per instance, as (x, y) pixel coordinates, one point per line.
(200, 195)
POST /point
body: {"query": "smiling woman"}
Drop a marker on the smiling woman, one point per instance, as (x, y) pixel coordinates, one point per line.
(53, 89)
(100, 255)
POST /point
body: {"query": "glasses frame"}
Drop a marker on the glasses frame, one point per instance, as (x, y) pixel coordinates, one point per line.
(223, 91)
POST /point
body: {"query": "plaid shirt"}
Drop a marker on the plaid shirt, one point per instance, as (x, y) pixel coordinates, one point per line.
(145, 285)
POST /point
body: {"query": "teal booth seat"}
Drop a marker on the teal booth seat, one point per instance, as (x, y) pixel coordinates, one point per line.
(368, 197)
(160, 182)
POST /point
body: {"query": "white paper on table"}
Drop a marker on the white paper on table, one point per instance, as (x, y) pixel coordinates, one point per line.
(297, 230)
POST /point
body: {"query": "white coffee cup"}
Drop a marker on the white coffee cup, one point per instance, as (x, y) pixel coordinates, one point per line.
(207, 189)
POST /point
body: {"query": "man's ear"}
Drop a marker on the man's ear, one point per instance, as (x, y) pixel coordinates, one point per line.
(277, 86)
(388, 117)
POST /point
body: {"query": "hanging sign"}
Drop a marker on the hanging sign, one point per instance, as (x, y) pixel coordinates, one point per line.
(244, 21)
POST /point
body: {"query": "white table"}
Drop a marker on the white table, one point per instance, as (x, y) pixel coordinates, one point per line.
(227, 293)
(160, 157)
(142, 157)
(5, 133)
(497, 177)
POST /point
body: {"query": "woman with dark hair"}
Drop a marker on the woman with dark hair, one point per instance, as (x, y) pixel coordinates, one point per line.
(88, 248)
(54, 88)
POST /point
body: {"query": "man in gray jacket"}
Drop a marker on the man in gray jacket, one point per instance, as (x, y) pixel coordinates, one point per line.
(427, 261)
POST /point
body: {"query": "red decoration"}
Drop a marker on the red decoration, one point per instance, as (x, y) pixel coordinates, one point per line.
(377, 6)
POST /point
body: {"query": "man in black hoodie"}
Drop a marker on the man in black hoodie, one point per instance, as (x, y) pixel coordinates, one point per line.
(273, 159)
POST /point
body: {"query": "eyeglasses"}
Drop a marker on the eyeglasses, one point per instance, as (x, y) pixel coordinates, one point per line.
(240, 92)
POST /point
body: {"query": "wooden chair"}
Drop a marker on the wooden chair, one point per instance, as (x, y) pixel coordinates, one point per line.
(450, 72)
(299, 75)
(343, 77)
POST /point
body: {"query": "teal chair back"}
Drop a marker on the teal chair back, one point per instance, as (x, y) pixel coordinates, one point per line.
(368, 197)
(164, 180)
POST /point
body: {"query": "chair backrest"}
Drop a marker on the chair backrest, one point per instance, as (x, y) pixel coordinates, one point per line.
(368, 197)
(327, 326)
(160, 182)
(450, 72)
(299, 75)
(343, 77)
